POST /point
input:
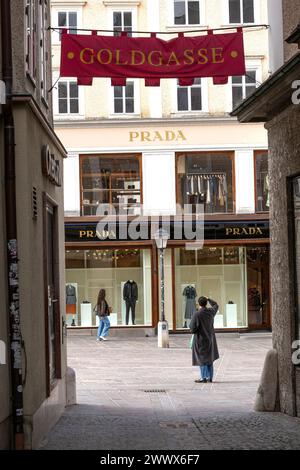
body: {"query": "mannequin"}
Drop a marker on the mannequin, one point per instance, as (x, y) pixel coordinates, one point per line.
(190, 294)
(71, 301)
(130, 295)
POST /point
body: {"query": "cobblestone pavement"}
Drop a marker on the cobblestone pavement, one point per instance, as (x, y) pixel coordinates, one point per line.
(133, 395)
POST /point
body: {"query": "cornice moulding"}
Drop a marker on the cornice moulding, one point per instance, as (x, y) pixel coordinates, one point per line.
(117, 3)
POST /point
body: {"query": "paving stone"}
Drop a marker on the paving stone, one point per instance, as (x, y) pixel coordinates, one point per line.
(115, 409)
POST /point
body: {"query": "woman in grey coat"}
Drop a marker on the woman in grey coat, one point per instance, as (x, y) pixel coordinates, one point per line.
(204, 349)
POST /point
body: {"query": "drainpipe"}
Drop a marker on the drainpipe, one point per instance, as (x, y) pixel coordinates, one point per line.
(15, 338)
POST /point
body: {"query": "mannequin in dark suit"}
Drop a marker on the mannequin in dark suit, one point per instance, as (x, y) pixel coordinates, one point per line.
(130, 295)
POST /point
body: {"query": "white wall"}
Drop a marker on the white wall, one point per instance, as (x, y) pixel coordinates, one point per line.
(71, 186)
(244, 181)
(159, 194)
(276, 57)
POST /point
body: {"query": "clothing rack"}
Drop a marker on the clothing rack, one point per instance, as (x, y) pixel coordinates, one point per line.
(211, 192)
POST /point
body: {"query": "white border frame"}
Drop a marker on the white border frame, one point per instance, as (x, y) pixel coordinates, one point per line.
(67, 116)
(171, 16)
(137, 102)
(251, 64)
(54, 18)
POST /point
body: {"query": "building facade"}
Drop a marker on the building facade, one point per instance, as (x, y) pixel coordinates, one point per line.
(149, 152)
(31, 321)
(276, 103)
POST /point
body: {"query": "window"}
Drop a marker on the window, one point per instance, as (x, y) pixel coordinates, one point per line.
(186, 12)
(221, 272)
(67, 19)
(43, 48)
(189, 98)
(243, 86)
(30, 22)
(110, 180)
(68, 97)
(124, 99)
(122, 21)
(205, 179)
(262, 182)
(241, 11)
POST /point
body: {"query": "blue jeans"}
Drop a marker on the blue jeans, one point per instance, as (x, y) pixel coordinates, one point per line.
(104, 326)
(207, 371)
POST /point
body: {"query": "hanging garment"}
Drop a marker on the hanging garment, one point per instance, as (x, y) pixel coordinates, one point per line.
(208, 195)
(190, 294)
(267, 186)
(221, 194)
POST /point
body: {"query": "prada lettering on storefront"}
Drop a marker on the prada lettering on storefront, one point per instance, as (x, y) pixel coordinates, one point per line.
(157, 136)
(91, 234)
(239, 232)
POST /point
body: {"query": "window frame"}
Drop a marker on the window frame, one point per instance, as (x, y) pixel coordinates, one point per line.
(201, 14)
(186, 154)
(204, 99)
(256, 154)
(61, 116)
(54, 19)
(253, 66)
(30, 40)
(226, 13)
(43, 42)
(111, 9)
(136, 101)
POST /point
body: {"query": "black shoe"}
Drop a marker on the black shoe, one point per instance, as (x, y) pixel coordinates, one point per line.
(210, 380)
(201, 381)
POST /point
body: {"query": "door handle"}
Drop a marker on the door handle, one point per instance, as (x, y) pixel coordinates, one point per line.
(54, 300)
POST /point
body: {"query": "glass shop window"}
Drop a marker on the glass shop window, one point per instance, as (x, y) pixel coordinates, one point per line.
(205, 182)
(113, 181)
(262, 183)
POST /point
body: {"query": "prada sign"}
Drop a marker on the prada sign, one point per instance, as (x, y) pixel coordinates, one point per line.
(51, 167)
(118, 231)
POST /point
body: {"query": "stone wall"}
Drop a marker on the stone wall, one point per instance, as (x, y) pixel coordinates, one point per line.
(284, 161)
(291, 18)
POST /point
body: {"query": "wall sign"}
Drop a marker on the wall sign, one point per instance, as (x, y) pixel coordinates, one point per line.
(88, 232)
(51, 167)
(120, 57)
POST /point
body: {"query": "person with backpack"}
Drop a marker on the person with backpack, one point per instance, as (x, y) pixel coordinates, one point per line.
(103, 312)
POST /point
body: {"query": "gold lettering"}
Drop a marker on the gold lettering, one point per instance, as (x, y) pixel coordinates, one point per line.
(118, 58)
(173, 58)
(133, 56)
(89, 234)
(259, 231)
(157, 136)
(133, 136)
(170, 135)
(217, 55)
(181, 136)
(202, 53)
(82, 233)
(145, 136)
(188, 55)
(229, 231)
(82, 53)
(236, 231)
(99, 56)
(160, 60)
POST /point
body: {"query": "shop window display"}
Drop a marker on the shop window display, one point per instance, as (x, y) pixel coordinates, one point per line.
(206, 179)
(125, 274)
(218, 273)
(262, 183)
(258, 286)
(110, 180)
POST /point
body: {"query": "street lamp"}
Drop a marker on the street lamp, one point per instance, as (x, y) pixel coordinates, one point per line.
(161, 238)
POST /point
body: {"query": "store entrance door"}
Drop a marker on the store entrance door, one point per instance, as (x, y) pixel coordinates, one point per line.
(258, 275)
(52, 316)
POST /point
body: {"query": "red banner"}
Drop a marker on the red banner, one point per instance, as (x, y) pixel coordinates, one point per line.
(121, 57)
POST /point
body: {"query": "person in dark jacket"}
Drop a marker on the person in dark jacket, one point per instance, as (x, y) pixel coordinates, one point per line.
(102, 310)
(204, 349)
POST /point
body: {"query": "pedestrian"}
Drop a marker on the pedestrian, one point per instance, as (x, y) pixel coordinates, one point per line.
(103, 312)
(204, 347)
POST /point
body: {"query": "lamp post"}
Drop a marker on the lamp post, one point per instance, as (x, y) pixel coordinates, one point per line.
(161, 238)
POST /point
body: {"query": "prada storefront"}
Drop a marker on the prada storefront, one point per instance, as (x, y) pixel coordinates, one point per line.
(232, 267)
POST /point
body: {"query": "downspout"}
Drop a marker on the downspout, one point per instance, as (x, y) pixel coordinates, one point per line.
(15, 338)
